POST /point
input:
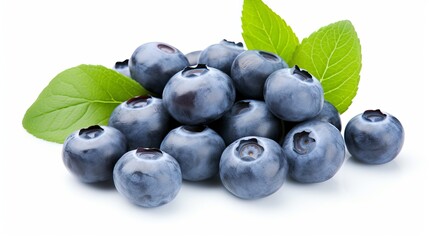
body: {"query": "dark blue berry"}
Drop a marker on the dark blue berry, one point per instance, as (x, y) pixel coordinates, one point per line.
(147, 177)
(90, 153)
(198, 95)
(374, 137)
(293, 94)
(153, 64)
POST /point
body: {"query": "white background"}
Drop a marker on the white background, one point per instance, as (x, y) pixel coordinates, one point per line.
(38, 196)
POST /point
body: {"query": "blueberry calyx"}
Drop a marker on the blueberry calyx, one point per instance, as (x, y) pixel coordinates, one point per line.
(139, 102)
(120, 65)
(194, 128)
(148, 153)
(268, 56)
(91, 132)
(195, 71)
(232, 43)
(165, 48)
(374, 115)
(249, 149)
(240, 107)
(302, 74)
(303, 143)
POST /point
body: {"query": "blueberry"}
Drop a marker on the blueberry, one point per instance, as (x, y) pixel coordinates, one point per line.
(153, 64)
(251, 68)
(197, 149)
(374, 137)
(329, 114)
(315, 151)
(193, 57)
(143, 120)
(198, 95)
(253, 167)
(147, 177)
(90, 153)
(122, 67)
(249, 118)
(221, 55)
(293, 94)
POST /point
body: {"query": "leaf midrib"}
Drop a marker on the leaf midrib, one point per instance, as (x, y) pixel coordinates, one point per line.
(327, 65)
(77, 104)
(113, 100)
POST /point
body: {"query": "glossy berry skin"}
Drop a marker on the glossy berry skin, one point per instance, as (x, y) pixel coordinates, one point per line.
(249, 118)
(193, 57)
(122, 67)
(198, 95)
(153, 64)
(329, 114)
(91, 153)
(293, 94)
(197, 149)
(250, 70)
(221, 55)
(143, 120)
(147, 177)
(374, 137)
(315, 151)
(253, 167)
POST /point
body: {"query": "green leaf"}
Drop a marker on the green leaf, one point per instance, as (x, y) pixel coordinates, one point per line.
(333, 55)
(78, 97)
(264, 30)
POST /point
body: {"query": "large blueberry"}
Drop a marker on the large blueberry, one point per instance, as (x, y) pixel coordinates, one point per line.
(197, 149)
(315, 151)
(91, 153)
(143, 120)
(153, 64)
(198, 95)
(374, 137)
(249, 118)
(250, 70)
(147, 177)
(221, 55)
(253, 167)
(293, 94)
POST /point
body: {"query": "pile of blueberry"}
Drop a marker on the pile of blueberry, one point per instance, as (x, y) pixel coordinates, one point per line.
(242, 115)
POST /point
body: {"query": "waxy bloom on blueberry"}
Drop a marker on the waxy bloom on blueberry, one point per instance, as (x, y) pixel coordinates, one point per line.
(197, 149)
(143, 120)
(90, 153)
(198, 95)
(374, 137)
(315, 151)
(147, 177)
(253, 167)
(221, 55)
(153, 64)
(293, 94)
